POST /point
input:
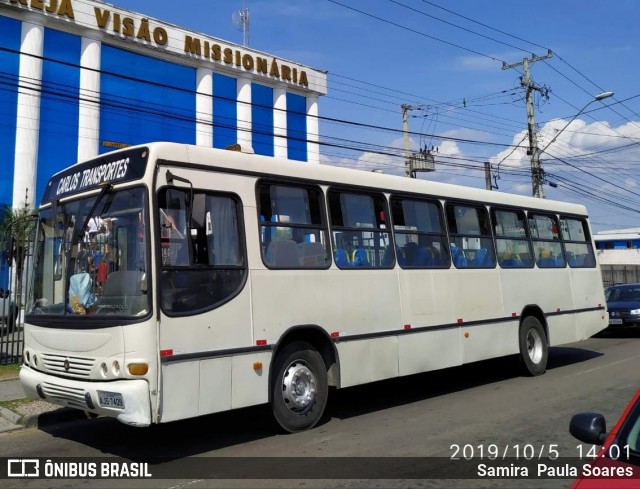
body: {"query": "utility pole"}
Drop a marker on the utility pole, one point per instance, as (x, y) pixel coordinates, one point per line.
(487, 176)
(405, 130)
(534, 151)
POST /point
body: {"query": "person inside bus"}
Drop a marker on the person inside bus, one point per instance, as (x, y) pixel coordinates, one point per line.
(84, 260)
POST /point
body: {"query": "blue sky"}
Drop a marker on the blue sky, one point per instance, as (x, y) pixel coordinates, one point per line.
(380, 54)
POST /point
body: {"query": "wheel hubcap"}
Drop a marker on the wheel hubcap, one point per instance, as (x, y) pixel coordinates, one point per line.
(298, 387)
(534, 345)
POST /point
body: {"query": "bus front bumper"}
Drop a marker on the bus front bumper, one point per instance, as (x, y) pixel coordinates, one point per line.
(126, 400)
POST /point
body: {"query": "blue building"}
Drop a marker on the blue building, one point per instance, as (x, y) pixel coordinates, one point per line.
(80, 78)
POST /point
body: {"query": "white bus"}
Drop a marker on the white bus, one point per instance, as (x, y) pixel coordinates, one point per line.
(173, 281)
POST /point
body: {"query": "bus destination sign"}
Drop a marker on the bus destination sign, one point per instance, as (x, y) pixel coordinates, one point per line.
(112, 168)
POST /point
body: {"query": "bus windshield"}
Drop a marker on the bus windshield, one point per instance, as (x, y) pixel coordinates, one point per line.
(90, 257)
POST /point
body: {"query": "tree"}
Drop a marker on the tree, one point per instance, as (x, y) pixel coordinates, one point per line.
(17, 227)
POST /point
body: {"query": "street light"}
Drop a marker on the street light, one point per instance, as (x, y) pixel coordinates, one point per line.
(598, 97)
(536, 170)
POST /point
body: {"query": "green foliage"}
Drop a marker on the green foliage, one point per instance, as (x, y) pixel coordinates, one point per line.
(22, 227)
(9, 372)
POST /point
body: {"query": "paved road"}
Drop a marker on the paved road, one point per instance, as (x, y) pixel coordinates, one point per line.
(418, 416)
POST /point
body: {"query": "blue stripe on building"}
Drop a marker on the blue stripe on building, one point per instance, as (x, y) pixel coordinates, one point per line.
(262, 119)
(297, 127)
(10, 31)
(59, 105)
(145, 99)
(225, 111)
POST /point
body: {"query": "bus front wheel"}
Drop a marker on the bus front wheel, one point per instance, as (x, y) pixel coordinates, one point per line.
(299, 387)
(534, 350)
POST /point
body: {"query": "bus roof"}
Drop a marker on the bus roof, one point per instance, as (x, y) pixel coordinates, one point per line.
(324, 174)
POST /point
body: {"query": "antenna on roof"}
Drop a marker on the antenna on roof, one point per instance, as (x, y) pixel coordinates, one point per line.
(240, 19)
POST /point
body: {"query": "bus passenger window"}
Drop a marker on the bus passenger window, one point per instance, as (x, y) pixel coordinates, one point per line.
(577, 243)
(421, 240)
(359, 231)
(471, 240)
(545, 235)
(512, 242)
(293, 233)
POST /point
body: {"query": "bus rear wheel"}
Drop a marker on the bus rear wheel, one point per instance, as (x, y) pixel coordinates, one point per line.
(534, 350)
(299, 387)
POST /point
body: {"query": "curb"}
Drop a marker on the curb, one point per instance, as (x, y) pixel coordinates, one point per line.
(10, 416)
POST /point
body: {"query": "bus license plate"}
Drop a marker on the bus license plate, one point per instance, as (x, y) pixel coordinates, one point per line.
(111, 399)
(615, 321)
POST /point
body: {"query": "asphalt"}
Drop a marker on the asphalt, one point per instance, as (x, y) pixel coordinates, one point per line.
(11, 390)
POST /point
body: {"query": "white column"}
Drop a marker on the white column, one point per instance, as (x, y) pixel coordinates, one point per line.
(204, 107)
(28, 116)
(89, 109)
(279, 122)
(313, 130)
(244, 114)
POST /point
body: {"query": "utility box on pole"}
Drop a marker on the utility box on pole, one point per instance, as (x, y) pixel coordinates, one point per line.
(423, 160)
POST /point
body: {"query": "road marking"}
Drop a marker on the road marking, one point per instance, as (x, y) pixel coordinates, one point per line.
(603, 366)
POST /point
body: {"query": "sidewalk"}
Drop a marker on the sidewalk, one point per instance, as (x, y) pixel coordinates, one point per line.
(30, 414)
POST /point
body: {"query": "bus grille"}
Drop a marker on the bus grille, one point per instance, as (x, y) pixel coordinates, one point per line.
(77, 366)
(69, 396)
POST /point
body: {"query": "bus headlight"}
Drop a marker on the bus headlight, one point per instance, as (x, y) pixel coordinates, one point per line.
(115, 368)
(138, 368)
(103, 369)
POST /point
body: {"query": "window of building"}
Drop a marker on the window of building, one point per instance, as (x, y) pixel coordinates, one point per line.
(201, 250)
(470, 233)
(293, 233)
(359, 230)
(512, 243)
(545, 234)
(577, 243)
(420, 236)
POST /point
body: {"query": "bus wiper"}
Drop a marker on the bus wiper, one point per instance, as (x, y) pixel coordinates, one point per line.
(105, 189)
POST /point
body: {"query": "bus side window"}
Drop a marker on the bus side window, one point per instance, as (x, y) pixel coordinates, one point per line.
(471, 239)
(360, 229)
(421, 239)
(577, 242)
(512, 242)
(545, 234)
(293, 231)
(203, 259)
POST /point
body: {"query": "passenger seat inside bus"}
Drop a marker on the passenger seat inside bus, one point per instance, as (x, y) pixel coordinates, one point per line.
(122, 293)
(312, 254)
(546, 259)
(457, 255)
(283, 253)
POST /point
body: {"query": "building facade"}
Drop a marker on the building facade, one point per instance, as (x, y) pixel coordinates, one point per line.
(618, 253)
(83, 77)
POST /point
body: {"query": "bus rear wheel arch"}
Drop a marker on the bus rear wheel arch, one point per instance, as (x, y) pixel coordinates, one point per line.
(299, 388)
(534, 346)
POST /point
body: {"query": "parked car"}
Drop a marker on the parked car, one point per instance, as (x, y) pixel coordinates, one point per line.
(617, 463)
(623, 304)
(8, 311)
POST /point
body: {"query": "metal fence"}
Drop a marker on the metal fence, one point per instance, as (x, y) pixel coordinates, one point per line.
(17, 257)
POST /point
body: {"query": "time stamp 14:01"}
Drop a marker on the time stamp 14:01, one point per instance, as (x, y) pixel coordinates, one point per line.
(528, 460)
(529, 451)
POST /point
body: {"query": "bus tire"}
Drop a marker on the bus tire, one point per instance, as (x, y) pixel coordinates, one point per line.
(299, 387)
(534, 350)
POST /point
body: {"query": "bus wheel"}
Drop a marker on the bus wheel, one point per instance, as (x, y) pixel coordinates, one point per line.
(299, 387)
(534, 350)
